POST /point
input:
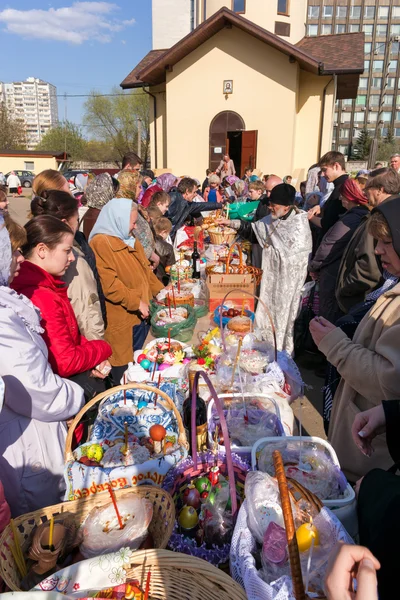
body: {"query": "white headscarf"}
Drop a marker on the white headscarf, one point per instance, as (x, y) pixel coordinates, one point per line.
(5, 253)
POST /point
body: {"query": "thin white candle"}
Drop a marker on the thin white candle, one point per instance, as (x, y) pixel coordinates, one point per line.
(309, 564)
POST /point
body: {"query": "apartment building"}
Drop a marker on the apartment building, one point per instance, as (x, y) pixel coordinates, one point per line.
(377, 105)
(35, 102)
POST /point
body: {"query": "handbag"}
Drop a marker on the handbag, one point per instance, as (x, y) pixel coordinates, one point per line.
(379, 525)
(19, 190)
(302, 338)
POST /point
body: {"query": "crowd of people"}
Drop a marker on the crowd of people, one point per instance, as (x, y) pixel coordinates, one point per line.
(76, 284)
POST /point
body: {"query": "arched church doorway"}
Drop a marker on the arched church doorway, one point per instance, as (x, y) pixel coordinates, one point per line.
(228, 135)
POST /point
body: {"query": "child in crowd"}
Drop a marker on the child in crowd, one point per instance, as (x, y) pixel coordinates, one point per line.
(162, 227)
(212, 192)
(160, 200)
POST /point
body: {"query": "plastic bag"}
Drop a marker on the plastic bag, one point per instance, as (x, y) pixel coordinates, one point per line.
(101, 533)
(216, 515)
(308, 463)
(246, 426)
(263, 503)
(182, 331)
(243, 210)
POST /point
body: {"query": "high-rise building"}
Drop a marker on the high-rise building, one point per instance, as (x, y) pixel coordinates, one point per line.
(377, 105)
(173, 19)
(35, 103)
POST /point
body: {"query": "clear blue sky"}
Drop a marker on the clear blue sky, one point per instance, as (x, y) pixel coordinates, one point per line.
(76, 45)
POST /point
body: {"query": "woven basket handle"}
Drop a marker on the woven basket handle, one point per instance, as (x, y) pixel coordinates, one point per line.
(228, 258)
(266, 310)
(228, 453)
(295, 566)
(167, 402)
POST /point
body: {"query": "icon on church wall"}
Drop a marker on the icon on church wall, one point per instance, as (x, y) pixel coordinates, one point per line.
(228, 86)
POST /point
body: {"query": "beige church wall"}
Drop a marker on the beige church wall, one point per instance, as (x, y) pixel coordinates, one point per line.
(308, 122)
(161, 120)
(265, 12)
(264, 95)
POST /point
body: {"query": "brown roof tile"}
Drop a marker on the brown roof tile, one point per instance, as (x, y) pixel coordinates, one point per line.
(340, 53)
(132, 79)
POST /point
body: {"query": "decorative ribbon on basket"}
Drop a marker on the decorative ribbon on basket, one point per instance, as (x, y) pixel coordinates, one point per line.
(83, 481)
(230, 465)
(241, 268)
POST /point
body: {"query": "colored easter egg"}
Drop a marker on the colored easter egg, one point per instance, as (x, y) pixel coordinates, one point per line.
(140, 358)
(163, 366)
(145, 364)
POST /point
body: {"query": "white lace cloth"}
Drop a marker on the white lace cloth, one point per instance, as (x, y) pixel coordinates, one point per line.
(243, 564)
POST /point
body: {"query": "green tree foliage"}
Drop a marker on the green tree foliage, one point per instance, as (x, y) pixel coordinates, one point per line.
(362, 145)
(12, 131)
(114, 120)
(65, 137)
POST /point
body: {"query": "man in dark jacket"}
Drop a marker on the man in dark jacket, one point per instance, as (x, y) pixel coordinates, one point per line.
(182, 205)
(360, 272)
(333, 167)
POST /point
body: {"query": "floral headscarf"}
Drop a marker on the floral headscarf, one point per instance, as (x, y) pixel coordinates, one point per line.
(100, 191)
(166, 181)
(128, 181)
(231, 179)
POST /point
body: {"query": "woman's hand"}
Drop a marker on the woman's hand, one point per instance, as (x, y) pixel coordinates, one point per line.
(366, 426)
(314, 211)
(102, 370)
(346, 563)
(319, 328)
(144, 309)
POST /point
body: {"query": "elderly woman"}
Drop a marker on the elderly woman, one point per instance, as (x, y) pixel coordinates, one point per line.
(129, 187)
(370, 363)
(99, 191)
(212, 192)
(326, 262)
(164, 183)
(127, 280)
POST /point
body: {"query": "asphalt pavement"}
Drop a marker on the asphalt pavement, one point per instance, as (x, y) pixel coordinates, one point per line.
(309, 409)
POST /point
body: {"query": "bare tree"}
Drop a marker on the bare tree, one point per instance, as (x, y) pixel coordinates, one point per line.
(12, 131)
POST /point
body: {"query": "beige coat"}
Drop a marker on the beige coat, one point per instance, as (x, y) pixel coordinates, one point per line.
(370, 370)
(126, 279)
(84, 297)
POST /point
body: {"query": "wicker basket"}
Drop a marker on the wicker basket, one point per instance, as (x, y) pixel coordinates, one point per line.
(241, 268)
(176, 576)
(219, 235)
(160, 528)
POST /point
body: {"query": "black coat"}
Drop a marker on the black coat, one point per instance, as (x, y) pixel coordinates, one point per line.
(180, 209)
(333, 209)
(262, 209)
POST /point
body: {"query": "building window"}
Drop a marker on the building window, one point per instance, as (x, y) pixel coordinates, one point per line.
(394, 48)
(313, 12)
(282, 29)
(347, 102)
(239, 6)
(354, 28)
(344, 133)
(396, 12)
(381, 30)
(341, 12)
(367, 47)
(326, 29)
(361, 100)
(283, 7)
(383, 12)
(393, 66)
(372, 116)
(340, 29)
(380, 48)
(377, 65)
(388, 100)
(363, 84)
(312, 30)
(369, 12)
(345, 117)
(29, 166)
(374, 100)
(396, 132)
(376, 82)
(366, 65)
(397, 115)
(368, 29)
(355, 12)
(391, 83)
(344, 150)
(386, 116)
(395, 29)
(327, 12)
(359, 117)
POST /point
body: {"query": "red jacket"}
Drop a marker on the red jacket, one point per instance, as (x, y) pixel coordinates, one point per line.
(69, 352)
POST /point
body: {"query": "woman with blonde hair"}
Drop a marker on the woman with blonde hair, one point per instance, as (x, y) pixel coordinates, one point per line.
(50, 179)
(212, 192)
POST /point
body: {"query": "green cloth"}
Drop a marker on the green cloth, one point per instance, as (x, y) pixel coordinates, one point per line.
(243, 210)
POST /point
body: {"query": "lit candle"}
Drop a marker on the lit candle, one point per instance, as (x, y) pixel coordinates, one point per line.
(173, 297)
(169, 335)
(147, 590)
(305, 535)
(169, 305)
(51, 532)
(243, 308)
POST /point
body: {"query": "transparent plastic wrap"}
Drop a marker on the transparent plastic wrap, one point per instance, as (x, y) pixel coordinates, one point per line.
(101, 534)
(216, 515)
(182, 331)
(308, 463)
(247, 425)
